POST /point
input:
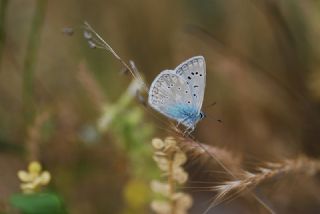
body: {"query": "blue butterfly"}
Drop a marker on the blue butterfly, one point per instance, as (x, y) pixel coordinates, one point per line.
(178, 94)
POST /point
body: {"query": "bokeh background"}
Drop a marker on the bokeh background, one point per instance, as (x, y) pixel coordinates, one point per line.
(68, 105)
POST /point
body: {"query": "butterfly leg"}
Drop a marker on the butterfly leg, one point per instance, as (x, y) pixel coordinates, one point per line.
(181, 122)
(188, 131)
(178, 124)
(185, 133)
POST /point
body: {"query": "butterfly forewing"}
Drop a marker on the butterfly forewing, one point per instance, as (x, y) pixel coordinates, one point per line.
(193, 71)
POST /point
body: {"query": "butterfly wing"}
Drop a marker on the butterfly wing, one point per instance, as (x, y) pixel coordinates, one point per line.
(193, 71)
(169, 93)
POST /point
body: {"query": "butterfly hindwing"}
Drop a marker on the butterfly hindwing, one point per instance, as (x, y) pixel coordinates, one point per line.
(167, 92)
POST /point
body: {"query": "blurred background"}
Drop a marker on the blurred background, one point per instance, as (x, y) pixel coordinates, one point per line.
(68, 106)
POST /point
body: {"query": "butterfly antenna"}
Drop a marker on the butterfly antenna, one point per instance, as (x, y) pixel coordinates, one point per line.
(209, 116)
(210, 105)
(96, 41)
(213, 119)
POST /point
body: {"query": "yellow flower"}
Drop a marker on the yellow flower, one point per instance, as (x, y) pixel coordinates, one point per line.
(157, 143)
(160, 207)
(170, 159)
(160, 187)
(179, 158)
(33, 179)
(183, 200)
(180, 175)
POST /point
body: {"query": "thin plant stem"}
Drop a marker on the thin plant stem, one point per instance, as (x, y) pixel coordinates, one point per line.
(171, 185)
(3, 9)
(30, 61)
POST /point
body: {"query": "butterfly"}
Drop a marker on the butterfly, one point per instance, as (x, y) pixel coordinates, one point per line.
(178, 94)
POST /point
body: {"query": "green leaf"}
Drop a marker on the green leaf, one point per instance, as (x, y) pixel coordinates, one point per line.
(38, 203)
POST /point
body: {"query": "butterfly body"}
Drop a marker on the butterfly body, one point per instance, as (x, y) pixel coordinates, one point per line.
(178, 94)
(185, 114)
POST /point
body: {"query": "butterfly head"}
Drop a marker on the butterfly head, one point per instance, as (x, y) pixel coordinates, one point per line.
(193, 119)
(202, 115)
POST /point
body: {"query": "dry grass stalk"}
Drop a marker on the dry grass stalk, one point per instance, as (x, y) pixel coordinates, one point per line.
(96, 41)
(225, 159)
(91, 86)
(301, 165)
(200, 151)
(34, 135)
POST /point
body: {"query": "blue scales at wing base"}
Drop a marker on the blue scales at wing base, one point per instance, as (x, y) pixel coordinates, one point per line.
(184, 114)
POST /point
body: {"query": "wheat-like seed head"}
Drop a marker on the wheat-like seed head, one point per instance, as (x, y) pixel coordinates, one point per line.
(203, 152)
(248, 180)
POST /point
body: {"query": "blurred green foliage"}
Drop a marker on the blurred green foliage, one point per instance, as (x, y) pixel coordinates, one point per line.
(38, 203)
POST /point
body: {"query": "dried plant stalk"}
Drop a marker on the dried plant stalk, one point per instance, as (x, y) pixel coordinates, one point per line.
(301, 165)
(197, 150)
(34, 135)
(91, 86)
(224, 158)
(30, 61)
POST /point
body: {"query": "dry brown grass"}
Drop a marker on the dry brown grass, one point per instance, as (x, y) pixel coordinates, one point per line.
(34, 136)
(203, 152)
(250, 180)
(91, 86)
